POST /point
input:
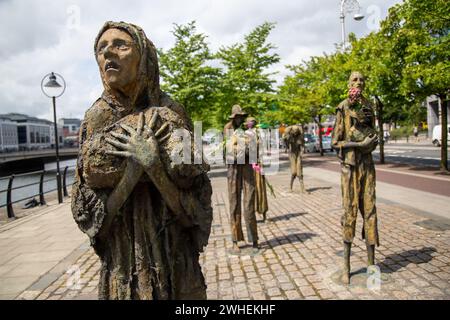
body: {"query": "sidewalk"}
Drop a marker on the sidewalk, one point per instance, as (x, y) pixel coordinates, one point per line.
(34, 248)
(300, 257)
(421, 190)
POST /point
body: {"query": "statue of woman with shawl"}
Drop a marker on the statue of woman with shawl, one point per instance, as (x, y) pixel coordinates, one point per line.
(148, 217)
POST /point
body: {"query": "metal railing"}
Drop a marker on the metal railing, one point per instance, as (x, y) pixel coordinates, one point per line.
(9, 190)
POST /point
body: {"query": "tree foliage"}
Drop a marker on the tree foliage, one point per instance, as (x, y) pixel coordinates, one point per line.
(187, 72)
(404, 62)
(245, 79)
(239, 75)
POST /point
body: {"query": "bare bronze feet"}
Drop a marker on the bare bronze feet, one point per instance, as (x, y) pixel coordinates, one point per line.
(302, 185)
(255, 247)
(370, 255)
(292, 182)
(346, 270)
(236, 248)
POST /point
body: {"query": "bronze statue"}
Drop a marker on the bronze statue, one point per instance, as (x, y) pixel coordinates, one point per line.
(147, 217)
(240, 179)
(261, 205)
(294, 139)
(354, 139)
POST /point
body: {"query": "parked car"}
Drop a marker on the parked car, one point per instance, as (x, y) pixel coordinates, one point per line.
(326, 144)
(437, 139)
(310, 142)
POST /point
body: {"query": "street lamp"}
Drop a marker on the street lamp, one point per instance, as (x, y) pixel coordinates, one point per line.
(349, 6)
(53, 89)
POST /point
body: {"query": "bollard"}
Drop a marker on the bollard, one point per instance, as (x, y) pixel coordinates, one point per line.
(41, 189)
(9, 208)
(64, 182)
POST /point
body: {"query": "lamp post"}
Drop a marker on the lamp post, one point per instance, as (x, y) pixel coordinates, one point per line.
(349, 6)
(53, 89)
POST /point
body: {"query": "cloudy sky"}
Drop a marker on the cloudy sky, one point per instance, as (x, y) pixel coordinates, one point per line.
(40, 36)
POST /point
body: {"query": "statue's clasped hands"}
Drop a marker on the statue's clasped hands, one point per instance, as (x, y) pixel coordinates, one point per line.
(369, 141)
(141, 144)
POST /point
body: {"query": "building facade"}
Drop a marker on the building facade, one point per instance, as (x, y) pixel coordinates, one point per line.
(71, 128)
(33, 133)
(9, 141)
(327, 126)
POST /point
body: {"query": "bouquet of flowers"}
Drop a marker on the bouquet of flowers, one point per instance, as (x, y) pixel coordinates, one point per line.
(354, 97)
(361, 112)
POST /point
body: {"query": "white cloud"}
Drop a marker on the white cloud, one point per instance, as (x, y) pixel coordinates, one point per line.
(43, 36)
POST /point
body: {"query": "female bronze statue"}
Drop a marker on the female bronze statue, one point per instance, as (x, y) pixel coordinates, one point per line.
(261, 204)
(147, 216)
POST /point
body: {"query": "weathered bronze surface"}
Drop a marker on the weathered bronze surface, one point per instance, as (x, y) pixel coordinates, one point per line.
(240, 178)
(293, 137)
(261, 204)
(147, 217)
(354, 138)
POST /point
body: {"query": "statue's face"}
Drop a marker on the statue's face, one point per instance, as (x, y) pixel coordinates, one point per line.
(118, 59)
(251, 124)
(238, 120)
(357, 81)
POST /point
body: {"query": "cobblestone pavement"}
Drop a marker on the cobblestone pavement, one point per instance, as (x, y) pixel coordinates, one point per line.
(301, 253)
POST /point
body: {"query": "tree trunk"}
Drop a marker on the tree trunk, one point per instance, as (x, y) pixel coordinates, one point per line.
(444, 132)
(380, 125)
(319, 118)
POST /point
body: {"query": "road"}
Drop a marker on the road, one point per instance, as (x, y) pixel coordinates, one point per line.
(416, 154)
(413, 154)
(404, 175)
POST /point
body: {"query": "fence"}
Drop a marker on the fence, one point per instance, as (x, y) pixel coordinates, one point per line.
(9, 190)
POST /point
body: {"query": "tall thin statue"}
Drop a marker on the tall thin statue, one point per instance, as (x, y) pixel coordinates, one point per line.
(354, 139)
(294, 139)
(240, 179)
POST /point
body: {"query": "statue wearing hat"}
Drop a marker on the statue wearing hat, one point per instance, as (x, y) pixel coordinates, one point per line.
(241, 178)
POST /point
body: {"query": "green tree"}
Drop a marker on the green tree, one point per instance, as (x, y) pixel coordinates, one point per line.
(292, 107)
(315, 88)
(381, 62)
(422, 29)
(188, 74)
(245, 79)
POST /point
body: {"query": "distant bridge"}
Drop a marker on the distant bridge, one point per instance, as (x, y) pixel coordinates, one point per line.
(23, 161)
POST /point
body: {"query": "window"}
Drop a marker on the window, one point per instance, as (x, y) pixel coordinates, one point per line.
(22, 134)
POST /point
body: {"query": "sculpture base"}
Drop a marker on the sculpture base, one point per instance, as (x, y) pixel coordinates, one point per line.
(360, 278)
(246, 251)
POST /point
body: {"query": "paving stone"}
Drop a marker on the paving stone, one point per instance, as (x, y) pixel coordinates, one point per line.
(298, 261)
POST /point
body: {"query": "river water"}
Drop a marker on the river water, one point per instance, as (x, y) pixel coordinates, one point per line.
(32, 190)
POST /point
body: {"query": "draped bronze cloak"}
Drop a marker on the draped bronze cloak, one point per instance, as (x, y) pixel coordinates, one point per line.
(148, 251)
